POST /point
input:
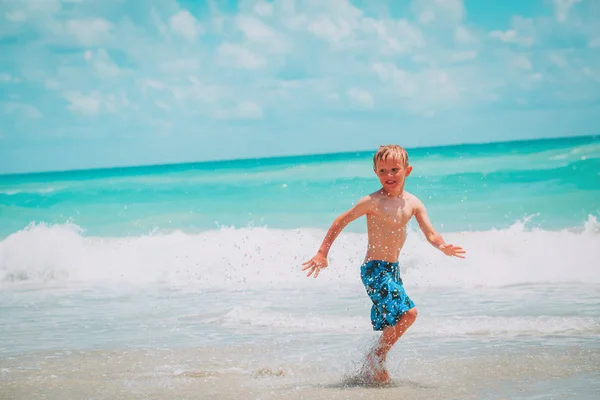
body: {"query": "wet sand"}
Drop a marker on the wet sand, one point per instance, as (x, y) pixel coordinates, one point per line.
(240, 372)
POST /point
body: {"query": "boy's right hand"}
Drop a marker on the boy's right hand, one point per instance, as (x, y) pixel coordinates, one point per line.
(315, 264)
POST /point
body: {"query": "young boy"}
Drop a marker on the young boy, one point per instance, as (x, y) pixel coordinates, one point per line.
(388, 212)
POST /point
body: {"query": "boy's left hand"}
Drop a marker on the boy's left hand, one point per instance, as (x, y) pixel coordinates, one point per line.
(452, 250)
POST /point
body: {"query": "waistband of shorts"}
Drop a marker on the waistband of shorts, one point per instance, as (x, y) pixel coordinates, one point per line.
(382, 263)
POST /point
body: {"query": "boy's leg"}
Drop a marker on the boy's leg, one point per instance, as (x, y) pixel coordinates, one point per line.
(391, 334)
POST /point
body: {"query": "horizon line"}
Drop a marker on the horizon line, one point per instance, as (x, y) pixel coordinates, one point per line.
(338, 153)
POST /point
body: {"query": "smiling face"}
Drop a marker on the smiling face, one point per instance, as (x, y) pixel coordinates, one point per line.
(392, 173)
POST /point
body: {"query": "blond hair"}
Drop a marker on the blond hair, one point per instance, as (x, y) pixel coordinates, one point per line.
(390, 151)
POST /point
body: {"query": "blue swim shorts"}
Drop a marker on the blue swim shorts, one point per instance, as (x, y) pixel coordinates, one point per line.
(384, 287)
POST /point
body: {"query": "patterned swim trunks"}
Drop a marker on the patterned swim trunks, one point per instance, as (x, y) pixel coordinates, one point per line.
(384, 287)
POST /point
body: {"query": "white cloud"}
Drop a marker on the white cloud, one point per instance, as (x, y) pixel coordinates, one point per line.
(102, 63)
(394, 36)
(237, 56)
(561, 9)
(157, 21)
(332, 97)
(296, 22)
(361, 97)
(180, 65)
(152, 84)
(334, 32)
(464, 36)
(5, 77)
(520, 61)
(191, 89)
(90, 31)
(462, 56)
(333, 21)
(110, 103)
(244, 110)
(258, 32)
(162, 127)
(184, 24)
(125, 101)
(345, 27)
(420, 92)
(254, 29)
(248, 109)
(216, 23)
(439, 12)
(592, 74)
(263, 8)
(21, 109)
(426, 16)
(594, 43)
(342, 9)
(201, 91)
(511, 36)
(51, 84)
(16, 16)
(82, 104)
(557, 60)
(163, 106)
(40, 6)
(94, 103)
(524, 31)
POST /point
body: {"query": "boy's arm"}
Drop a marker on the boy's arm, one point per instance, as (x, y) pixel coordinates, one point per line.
(362, 207)
(432, 236)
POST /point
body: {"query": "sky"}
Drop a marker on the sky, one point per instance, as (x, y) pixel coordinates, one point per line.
(100, 83)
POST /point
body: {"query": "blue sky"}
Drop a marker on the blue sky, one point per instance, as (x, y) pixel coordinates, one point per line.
(90, 83)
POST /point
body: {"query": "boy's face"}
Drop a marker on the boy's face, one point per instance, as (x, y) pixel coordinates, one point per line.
(392, 173)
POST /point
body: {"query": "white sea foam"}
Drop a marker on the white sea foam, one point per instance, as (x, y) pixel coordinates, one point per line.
(12, 192)
(481, 326)
(262, 317)
(262, 257)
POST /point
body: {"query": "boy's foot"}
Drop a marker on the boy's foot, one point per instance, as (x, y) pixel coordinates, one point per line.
(382, 377)
(375, 370)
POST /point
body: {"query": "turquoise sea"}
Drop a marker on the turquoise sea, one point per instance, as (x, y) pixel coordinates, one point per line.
(184, 281)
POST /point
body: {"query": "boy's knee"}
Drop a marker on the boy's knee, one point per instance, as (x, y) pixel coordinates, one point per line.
(412, 313)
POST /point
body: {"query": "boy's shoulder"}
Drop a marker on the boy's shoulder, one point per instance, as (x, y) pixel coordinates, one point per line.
(412, 198)
(374, 195)
(368, 202)
(415, 204)
(371, 196)
(368, 199)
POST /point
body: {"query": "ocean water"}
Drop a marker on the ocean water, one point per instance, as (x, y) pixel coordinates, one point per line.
(184, 281)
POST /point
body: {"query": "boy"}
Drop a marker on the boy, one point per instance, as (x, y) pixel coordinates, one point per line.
(388, 212)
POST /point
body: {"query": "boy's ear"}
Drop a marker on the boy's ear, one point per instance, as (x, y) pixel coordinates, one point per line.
(408, 170)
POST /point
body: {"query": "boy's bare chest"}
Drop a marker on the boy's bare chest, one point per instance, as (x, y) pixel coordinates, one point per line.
(396, 212)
